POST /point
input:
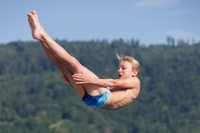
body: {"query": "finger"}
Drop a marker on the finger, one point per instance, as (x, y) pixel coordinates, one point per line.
(79, 83)
(77, 74)
(78, 77)
(78, 80)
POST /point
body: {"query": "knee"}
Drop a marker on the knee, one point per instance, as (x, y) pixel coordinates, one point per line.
(74, 61)
(75, 64)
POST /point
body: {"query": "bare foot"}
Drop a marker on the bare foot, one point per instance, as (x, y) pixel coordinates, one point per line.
(35, 26)
(35, 14)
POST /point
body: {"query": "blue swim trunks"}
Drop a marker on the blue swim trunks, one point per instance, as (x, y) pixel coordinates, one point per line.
(96, 101)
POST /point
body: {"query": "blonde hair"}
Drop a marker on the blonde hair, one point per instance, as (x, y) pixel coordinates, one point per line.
(134, 62)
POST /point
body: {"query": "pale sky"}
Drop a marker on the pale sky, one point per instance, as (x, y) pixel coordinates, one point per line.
(149, 21)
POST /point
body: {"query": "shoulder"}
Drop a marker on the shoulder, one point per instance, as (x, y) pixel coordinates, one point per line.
(137, 79)
(134, 79)
(132, 82)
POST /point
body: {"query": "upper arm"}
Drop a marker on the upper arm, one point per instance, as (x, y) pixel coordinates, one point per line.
(127, 83)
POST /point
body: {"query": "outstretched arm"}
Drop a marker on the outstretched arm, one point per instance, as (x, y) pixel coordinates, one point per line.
(119, 83)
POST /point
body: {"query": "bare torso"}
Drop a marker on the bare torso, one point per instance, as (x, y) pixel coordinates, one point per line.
(120, 98)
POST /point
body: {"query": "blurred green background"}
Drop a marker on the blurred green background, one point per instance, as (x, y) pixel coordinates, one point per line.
(34, 99)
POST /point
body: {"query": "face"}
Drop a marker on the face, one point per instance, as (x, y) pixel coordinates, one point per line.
(125, 70)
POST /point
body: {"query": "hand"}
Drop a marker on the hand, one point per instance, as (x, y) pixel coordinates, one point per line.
(65, 79)
(82, 78)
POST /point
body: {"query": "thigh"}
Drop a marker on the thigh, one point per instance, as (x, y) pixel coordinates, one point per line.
(91, 88)
(79, 88)
(88, 72)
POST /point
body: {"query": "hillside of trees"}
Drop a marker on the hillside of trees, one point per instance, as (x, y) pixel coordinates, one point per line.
(34, 99)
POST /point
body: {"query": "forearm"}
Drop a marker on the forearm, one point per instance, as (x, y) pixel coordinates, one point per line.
(114, 83)
(105, 82)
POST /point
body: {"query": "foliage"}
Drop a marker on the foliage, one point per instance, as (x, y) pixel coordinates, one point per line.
(33, 98)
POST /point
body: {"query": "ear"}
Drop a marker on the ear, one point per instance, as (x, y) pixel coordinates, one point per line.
(134, 73)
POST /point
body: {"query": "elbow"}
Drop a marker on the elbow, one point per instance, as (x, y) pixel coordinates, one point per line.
(113, 83)
(73, 64)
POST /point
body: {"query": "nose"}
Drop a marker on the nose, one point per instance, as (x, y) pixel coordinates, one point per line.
(119, 70)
